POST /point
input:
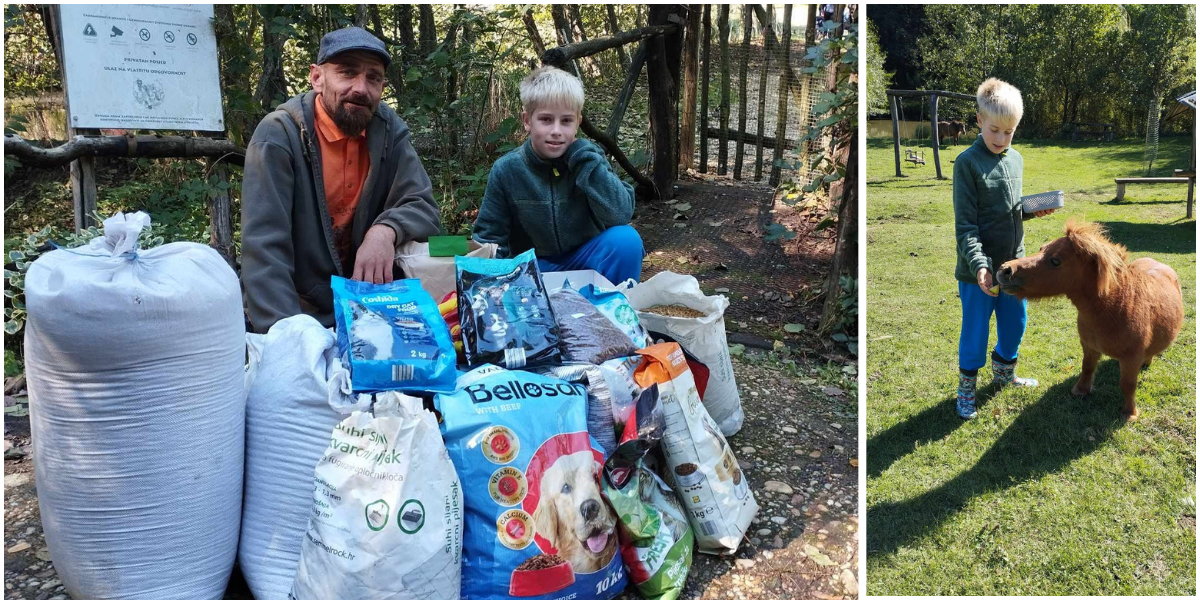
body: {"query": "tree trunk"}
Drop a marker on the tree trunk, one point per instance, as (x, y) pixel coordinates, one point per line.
(395, 70)
(360, 15)
(767, 28)
(428, 30)
(723, 114)
(562, 26)
(273, 84)
(784, 86)
(535, 36)
(408, 41)
(452, 85)
(747, 20)
(141, 146)
(705, 69)
(810, 31)
(687, 122)
(573, 11)
(614, 28)
(845, 254)
(221, 217)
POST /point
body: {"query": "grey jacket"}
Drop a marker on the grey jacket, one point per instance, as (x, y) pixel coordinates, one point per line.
(288, 253)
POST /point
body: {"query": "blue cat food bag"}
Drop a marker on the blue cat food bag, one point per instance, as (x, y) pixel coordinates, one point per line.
(391, 336)
(615, 306)
(536, 524)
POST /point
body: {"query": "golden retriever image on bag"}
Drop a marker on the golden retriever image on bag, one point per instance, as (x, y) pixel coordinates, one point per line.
(572, 516)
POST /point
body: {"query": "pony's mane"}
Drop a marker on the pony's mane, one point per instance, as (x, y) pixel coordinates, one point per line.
(1089, 239)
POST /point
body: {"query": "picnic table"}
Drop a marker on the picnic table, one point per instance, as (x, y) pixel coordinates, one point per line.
(1100, 131)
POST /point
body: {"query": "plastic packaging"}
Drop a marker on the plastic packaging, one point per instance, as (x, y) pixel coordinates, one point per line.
(504, 312)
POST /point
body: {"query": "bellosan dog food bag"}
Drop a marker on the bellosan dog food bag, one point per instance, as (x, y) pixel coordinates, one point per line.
(386, 520)
(656, 540)
(536, 523)
(392, 336)
(707, 478)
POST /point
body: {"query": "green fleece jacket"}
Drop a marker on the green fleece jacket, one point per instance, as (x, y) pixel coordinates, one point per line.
(988, 219)
(552, 206)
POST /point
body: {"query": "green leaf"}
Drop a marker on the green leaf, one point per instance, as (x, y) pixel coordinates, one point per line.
(793, 327)
(825, 223)
(15, 255)
(737, 350)
(11, 327)
(852, 347)
(840, 337)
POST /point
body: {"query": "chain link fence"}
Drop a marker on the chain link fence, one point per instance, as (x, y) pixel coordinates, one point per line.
(754, 109)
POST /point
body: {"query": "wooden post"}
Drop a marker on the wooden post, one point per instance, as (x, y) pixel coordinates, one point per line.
(723, 114)
(896, 134)
(768, 24)
(83, 169)
(782, 110)
(704, 74)
(747, 22)
(687, 120)
(618, 113)
(663, 106)
(933, 120)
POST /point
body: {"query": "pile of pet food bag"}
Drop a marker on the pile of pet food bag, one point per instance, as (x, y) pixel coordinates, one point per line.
(470, 432)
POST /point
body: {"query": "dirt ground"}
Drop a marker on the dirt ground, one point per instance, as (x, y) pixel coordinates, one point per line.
(796, 448)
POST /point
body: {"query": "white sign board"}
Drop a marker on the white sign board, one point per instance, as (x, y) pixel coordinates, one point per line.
(141, 66)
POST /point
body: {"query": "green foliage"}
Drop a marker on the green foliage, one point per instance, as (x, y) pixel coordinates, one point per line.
(1072, 62)
(29, 65)
(878, 80)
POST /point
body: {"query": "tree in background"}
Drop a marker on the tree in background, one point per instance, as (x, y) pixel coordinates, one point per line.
(878, 79)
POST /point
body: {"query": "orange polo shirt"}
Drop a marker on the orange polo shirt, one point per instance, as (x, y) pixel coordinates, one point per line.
(344, 164)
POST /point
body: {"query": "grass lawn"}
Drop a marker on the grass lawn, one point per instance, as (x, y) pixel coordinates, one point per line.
(1043, 493)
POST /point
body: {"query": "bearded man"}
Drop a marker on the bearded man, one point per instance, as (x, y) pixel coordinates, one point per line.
(332, 186)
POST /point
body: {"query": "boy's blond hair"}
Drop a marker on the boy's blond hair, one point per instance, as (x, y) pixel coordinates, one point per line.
(1000, 101)
(551, 86)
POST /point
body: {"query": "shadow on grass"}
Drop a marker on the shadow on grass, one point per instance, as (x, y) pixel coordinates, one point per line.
(1171, 238)
(1046, 437)
(934, 423)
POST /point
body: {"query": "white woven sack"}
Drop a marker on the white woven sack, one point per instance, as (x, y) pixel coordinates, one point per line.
(702, 336)
(134, 360)
(288, 419)
(386, 520)
(436, 272)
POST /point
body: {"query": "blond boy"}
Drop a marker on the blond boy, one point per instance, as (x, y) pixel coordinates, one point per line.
(558, 194)
(988, 226)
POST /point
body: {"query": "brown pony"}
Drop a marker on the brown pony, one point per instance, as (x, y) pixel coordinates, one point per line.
(1129, 311)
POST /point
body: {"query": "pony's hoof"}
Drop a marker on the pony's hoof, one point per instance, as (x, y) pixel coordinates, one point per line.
(1080, 392)
(1130, 416)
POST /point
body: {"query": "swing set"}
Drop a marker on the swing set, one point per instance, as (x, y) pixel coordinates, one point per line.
(912, 155)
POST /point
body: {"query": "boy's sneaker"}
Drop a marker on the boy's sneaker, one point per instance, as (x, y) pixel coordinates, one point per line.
(966, 396)
(1004, 374)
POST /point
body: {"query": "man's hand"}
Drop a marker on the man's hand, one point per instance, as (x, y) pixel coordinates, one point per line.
(376, 255)
(985, 282)
(1044, 213)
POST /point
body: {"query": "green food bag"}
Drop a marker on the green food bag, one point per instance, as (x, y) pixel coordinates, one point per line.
(656, 539)
(448, 245)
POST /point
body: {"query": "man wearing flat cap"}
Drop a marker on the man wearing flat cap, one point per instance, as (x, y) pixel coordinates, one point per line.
(332, 186)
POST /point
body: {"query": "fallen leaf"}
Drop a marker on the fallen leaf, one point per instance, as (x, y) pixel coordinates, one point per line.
(793, 328)
(682, 206)
(854, 462)
(722, 290)
(832, 391)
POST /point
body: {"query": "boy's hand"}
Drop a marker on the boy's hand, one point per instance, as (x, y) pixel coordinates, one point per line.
(985, 282)
(1044, 213)
(376, 255)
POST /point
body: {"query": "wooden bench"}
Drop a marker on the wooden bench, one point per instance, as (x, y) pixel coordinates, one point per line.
(1100, 131)
(1124, 181)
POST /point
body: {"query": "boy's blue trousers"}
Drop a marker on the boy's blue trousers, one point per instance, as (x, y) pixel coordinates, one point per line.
(616, 253)
(977, 309)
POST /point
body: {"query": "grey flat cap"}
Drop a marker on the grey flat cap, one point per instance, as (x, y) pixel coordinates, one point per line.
(351, 38)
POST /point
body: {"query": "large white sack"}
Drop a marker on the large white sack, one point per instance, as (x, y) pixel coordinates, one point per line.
(134, 360)
(387, 510)
(702, 336)
(288, 419)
